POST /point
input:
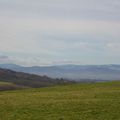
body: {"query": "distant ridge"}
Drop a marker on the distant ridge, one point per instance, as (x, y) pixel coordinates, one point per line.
(73, 72)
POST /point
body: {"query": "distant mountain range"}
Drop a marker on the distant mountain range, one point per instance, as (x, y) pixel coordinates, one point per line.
(72, 72)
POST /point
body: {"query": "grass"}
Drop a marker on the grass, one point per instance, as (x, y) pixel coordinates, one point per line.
(5, 83)
(9, 86)
(99, 101)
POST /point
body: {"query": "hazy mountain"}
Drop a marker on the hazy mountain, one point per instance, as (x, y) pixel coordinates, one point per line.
(75, 72)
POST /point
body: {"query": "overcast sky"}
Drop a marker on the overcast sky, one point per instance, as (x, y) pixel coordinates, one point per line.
(50, 32)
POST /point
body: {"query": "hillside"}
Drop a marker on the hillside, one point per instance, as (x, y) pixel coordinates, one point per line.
(9, 86)
(73, 72)
(99, 101)
(29, 80)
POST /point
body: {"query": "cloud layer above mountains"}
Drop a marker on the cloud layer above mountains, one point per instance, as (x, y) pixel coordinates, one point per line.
(60, 31)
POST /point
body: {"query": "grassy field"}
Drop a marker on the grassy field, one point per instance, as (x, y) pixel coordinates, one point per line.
(99, 101)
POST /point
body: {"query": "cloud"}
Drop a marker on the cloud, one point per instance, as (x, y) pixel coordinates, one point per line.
(65, 61)
(77, 9)
(2, 58)
(64, 31)
(113, 47)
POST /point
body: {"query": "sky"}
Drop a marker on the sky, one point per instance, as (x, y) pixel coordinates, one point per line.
(54, 32)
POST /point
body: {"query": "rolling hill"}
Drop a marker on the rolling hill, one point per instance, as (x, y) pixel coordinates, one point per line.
(29, 80)
(9, 86)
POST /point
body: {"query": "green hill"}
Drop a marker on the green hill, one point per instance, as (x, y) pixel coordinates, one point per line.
(99, 101)
(9, 86)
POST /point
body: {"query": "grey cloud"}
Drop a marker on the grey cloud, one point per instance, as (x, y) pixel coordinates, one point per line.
(72, 9)
(4, 57)
(59, 30)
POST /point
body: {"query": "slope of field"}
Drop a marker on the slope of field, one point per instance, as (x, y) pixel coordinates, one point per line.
(99, 101)
(9, 86)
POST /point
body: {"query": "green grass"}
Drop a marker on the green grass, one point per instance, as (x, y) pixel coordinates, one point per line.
(5, 83)
(9, 86)
(99, 101)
